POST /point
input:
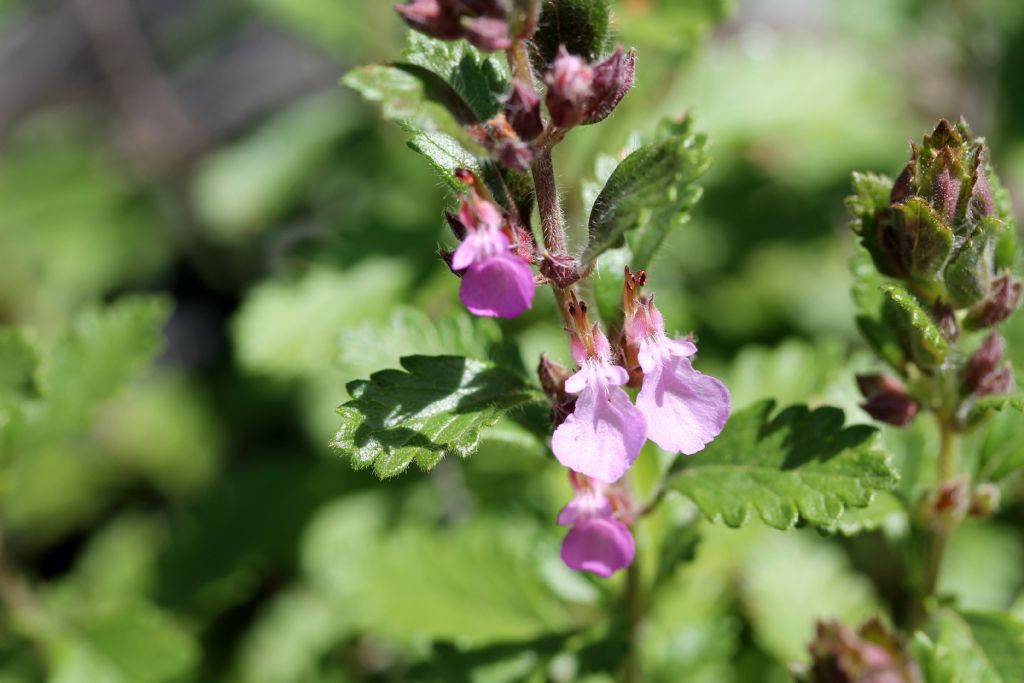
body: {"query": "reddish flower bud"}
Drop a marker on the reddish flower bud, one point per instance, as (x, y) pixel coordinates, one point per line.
(458, 228)
(1003, 299)
(522, 109)
(984, 500)
(562, 270)
(514, 154)
(552, 379)
(984, 363)
(435, 18)
(488, 33)
(903, 188)
(981, 203)
(887, 399)
(613, 78)
(570, 87)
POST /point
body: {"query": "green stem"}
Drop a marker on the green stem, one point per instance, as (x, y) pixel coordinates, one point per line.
(949, 446)
(633, 599)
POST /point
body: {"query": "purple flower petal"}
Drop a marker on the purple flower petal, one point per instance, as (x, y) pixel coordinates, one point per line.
(586, 504)
(685, 409)
(500, 286)
(601, 545)
(603, 435)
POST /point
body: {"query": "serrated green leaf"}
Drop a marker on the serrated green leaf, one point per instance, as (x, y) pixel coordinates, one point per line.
(653, 188)
(480, 80)
(797, 464)
(436, 408)
(870, 300)
(445, 154)
(886, 510)
(402, 90)
(580, 25)
(919, 335)
(985, 407)
(972, 647)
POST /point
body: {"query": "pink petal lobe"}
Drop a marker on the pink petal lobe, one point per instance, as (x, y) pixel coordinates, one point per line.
(603, 435)
(586, 504)
(601, 545)
(685, 409)
(500, 286)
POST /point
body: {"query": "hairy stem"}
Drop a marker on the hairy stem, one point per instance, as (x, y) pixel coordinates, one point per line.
(548, 202)
(949, 445)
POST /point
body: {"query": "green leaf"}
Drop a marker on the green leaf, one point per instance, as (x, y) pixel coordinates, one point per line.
(790, 581)
(797, 464)
(870, 301)
(287, 328)
(918, 333)
(996, 439)
(930, 241)
(130, 642)
(972, 647)
(403, 89)
(580, 25)
(244, 188)
(436, 408)
(481, 581)
(653, 189)
(479, 80)
(445, 154)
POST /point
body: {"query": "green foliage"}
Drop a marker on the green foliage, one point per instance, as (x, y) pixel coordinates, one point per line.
(436, 408)
(798, 464)
(242, 189)
(652, 190)
(996, 440)
(986, 406)
(919, 335)
(930, 240)
(445, 154)
(868, 294)
(987, 647)
(479, 79)
(582, 26)
(482, 581)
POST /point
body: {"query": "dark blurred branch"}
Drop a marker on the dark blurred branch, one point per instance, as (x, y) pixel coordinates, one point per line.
(160, 128)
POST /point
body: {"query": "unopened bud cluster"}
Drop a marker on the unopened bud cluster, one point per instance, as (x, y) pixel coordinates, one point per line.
(943, 232)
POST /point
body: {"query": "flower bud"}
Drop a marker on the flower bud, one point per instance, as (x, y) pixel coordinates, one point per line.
(458, 228)
(562, 270)
(984, 500)
(435, 18)
(1003, 299)
(887, 399)
(514, 154)
(488, 33)
(984, 363)
(613, 78)
(570, 88)
(871, 655)
(522, 109)
(552, 379)
(945, 318)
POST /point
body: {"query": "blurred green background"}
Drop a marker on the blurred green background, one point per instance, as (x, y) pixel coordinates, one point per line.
(195, 162)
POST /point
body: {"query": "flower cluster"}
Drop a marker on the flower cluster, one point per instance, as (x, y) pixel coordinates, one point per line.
(600, 436)
(599, 430)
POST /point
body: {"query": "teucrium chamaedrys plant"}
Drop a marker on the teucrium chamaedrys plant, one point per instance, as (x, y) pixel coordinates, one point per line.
(488, 128)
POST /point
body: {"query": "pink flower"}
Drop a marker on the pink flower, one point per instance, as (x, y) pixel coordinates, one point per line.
(496, 282)
(603, 435)
(685, 409)
(598, 541)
